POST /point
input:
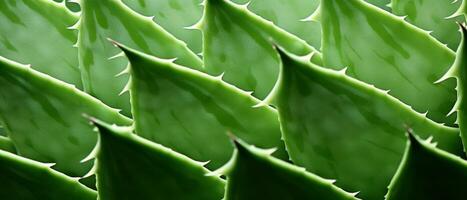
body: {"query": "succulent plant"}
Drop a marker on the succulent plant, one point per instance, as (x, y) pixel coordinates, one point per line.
(232, 99)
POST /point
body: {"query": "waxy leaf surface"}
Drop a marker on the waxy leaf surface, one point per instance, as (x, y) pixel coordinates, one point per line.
(341, 128)
(175, 16)
(105, 19)
(237, 43)
(383, 50)
(130, 167)
(432, 15)
(43, 117)
(193, 113)
(36, 32)
(26, 179)
(427, 173)
(254, 174)
(289, 15)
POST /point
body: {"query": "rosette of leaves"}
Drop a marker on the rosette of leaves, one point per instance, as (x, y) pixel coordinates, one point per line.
(232, 99)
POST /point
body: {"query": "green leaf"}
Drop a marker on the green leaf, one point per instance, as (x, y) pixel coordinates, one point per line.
(192, 112)
(383, 4)
(237, 43)
(432, 15)
(130, 167)
(341, 128)
(36, 32)
(462, 11)
(383, 50)
(7, 145)
(254, 174)
(428, 173)
(112, 19)
(290, 16)
(43, 117)
(30, 180)
(175, 16)
(459, 72)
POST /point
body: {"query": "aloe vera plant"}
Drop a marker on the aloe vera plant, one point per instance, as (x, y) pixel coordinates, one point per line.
(233, 99)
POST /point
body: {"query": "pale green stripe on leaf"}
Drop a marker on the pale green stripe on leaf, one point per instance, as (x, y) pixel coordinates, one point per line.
(43, 117)
(26, 179)
(130, 167)
(193, 113)
(238, 43)
(341, 128)
(427, 173)
(384, 50)
(176, 16)
(105, 19)
(36, 32)
(253, 174)
(432, 15)
(7, 145)
(289, 15)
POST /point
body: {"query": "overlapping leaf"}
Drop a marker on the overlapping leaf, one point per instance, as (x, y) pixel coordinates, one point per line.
(43, 117)
(344, 129)
(25, 179)
(237, 43)
(193, 113)
(383, 50)
(7, 145)
(428, 173)
(383, 4)
(253, 174)
(175, 16)
(432, 15)
(111, 18)
(459, 71)
(289, 15)
(130, 167)
(36, 32)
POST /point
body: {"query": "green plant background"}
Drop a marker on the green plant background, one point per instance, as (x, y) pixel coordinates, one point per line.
(233, 99)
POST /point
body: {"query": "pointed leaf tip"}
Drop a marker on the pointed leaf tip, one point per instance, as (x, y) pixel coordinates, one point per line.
(156, 172)
(426, 172)
(251, 174)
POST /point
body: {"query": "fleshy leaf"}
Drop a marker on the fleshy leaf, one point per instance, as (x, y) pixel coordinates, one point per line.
(341, 128)
(401, 58)
(112, 19)
(192, 112)
(72, 5)
(459, 71)
(428, 173)
(36, 32)
(43, 117)
(462, 11)
(253, 174)
(383, 4)
(130, 167)
(176, 16)
(237, 44)
(30, 180)
(432, 15)
(7, 145)
(290, 16)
